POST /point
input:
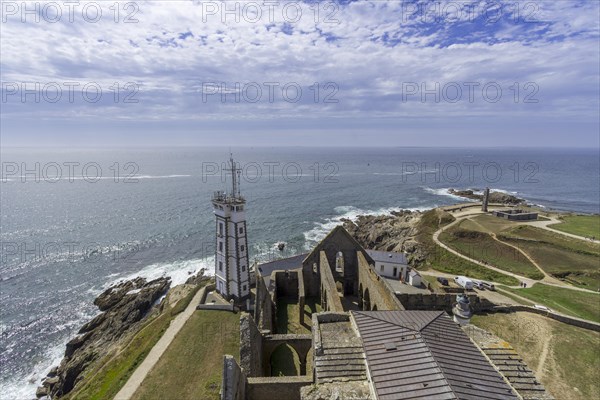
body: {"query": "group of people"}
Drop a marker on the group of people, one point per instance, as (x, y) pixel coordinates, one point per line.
(523, 285)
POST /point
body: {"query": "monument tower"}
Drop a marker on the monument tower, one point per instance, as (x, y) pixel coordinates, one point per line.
(232, 277)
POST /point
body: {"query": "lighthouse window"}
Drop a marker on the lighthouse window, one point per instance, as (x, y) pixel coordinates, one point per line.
(241, 230)
(220, 265)
(242, 248)
(244, 288)
(243, 268)
(220, 246)
(221, 228)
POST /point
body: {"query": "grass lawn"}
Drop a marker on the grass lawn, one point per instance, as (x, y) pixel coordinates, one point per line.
(107, 377)
(571, 302)
(582, 225)
(287, 315)
(575, 260)
(444, 261)
(191, 367)
(488, 223)
(481, 246)
(285, 362)
(570, 371)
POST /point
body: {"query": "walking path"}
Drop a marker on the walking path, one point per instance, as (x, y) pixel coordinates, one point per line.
(553, 220)
(138, 376)
(464, 215)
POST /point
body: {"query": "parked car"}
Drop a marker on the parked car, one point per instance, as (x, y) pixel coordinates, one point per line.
(442, 280)
(489, 286)
(478, 285)
(464, 282)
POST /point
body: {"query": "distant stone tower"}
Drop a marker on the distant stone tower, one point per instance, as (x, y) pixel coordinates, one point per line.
(231, 253)
(486, 199)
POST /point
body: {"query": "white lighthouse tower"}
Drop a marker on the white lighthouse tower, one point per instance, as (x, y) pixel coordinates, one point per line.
(231, 254)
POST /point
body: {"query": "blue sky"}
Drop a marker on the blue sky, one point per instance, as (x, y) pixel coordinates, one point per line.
(437, 73)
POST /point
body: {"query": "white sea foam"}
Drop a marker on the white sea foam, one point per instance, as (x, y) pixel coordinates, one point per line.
(178, 271)
(444, 192)
(321, 229)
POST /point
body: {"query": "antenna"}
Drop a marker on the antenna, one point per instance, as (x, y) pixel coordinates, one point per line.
(235, 177)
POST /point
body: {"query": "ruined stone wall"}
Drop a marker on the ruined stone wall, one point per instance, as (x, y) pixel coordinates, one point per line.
(285, 387)
(234, 380)
(380, 295)
(250, 346)
(286, 283)
(441, 302)
(263, 309)
(330, 300)
(301, 297)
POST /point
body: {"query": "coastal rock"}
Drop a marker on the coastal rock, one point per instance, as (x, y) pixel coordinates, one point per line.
(42, 391)
(124, 306)
(393, 232)
(197, 279)
(495, 197)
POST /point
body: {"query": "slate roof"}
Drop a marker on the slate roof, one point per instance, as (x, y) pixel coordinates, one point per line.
(388, 256)
(425, 355)
(289, 263)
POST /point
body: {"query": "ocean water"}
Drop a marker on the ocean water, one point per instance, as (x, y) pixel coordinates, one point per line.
(73, 222)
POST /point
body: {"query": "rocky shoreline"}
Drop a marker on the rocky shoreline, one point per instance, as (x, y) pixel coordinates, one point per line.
(124, 308)
(495, 197)
(394, 232)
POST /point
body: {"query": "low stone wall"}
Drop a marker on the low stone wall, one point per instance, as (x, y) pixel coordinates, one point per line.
(301, 297)
(581, 323)
(219, 307)
(233, 386)
(440, 301)
(285, 387)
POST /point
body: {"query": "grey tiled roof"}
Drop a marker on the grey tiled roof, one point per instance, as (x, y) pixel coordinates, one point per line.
(425, 355)
(387, 256)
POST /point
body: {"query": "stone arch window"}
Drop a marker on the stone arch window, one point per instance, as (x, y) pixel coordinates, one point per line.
(315, 268)
(339, 262)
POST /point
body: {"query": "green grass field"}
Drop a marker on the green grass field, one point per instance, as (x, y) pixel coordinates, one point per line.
(107, 376)
(444, 261)
(582, 225)
(481, 246)
(566, 301)
(573, 359)
(191, 367)
(574, 260)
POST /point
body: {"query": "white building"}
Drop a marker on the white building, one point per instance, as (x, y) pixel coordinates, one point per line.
(389, 264)
(232, 276)
(414, 278)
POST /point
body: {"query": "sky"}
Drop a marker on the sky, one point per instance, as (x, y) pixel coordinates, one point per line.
(300, 73)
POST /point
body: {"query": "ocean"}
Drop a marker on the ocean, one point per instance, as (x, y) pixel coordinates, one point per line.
(73, 222)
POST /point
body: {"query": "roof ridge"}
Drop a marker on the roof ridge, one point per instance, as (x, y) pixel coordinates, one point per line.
(371, 314)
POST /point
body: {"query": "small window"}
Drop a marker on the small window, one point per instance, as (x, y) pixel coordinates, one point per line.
(315, 268)
(395, 271)
(244, 288)
(243, 268)
(242, 248)
(220, 246)
(241, 230)
(220, 265)
(381, 268)
(221, 228)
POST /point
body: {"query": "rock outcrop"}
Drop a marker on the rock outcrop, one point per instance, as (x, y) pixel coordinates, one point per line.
(394, 232)
(495, 197)
(123, 307)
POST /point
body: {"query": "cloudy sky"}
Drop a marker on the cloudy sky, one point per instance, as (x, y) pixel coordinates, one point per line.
(376, 73)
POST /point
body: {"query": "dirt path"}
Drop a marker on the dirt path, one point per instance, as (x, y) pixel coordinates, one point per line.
(138, 376)
(530, 282)
(540, 369)
(553, 221)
